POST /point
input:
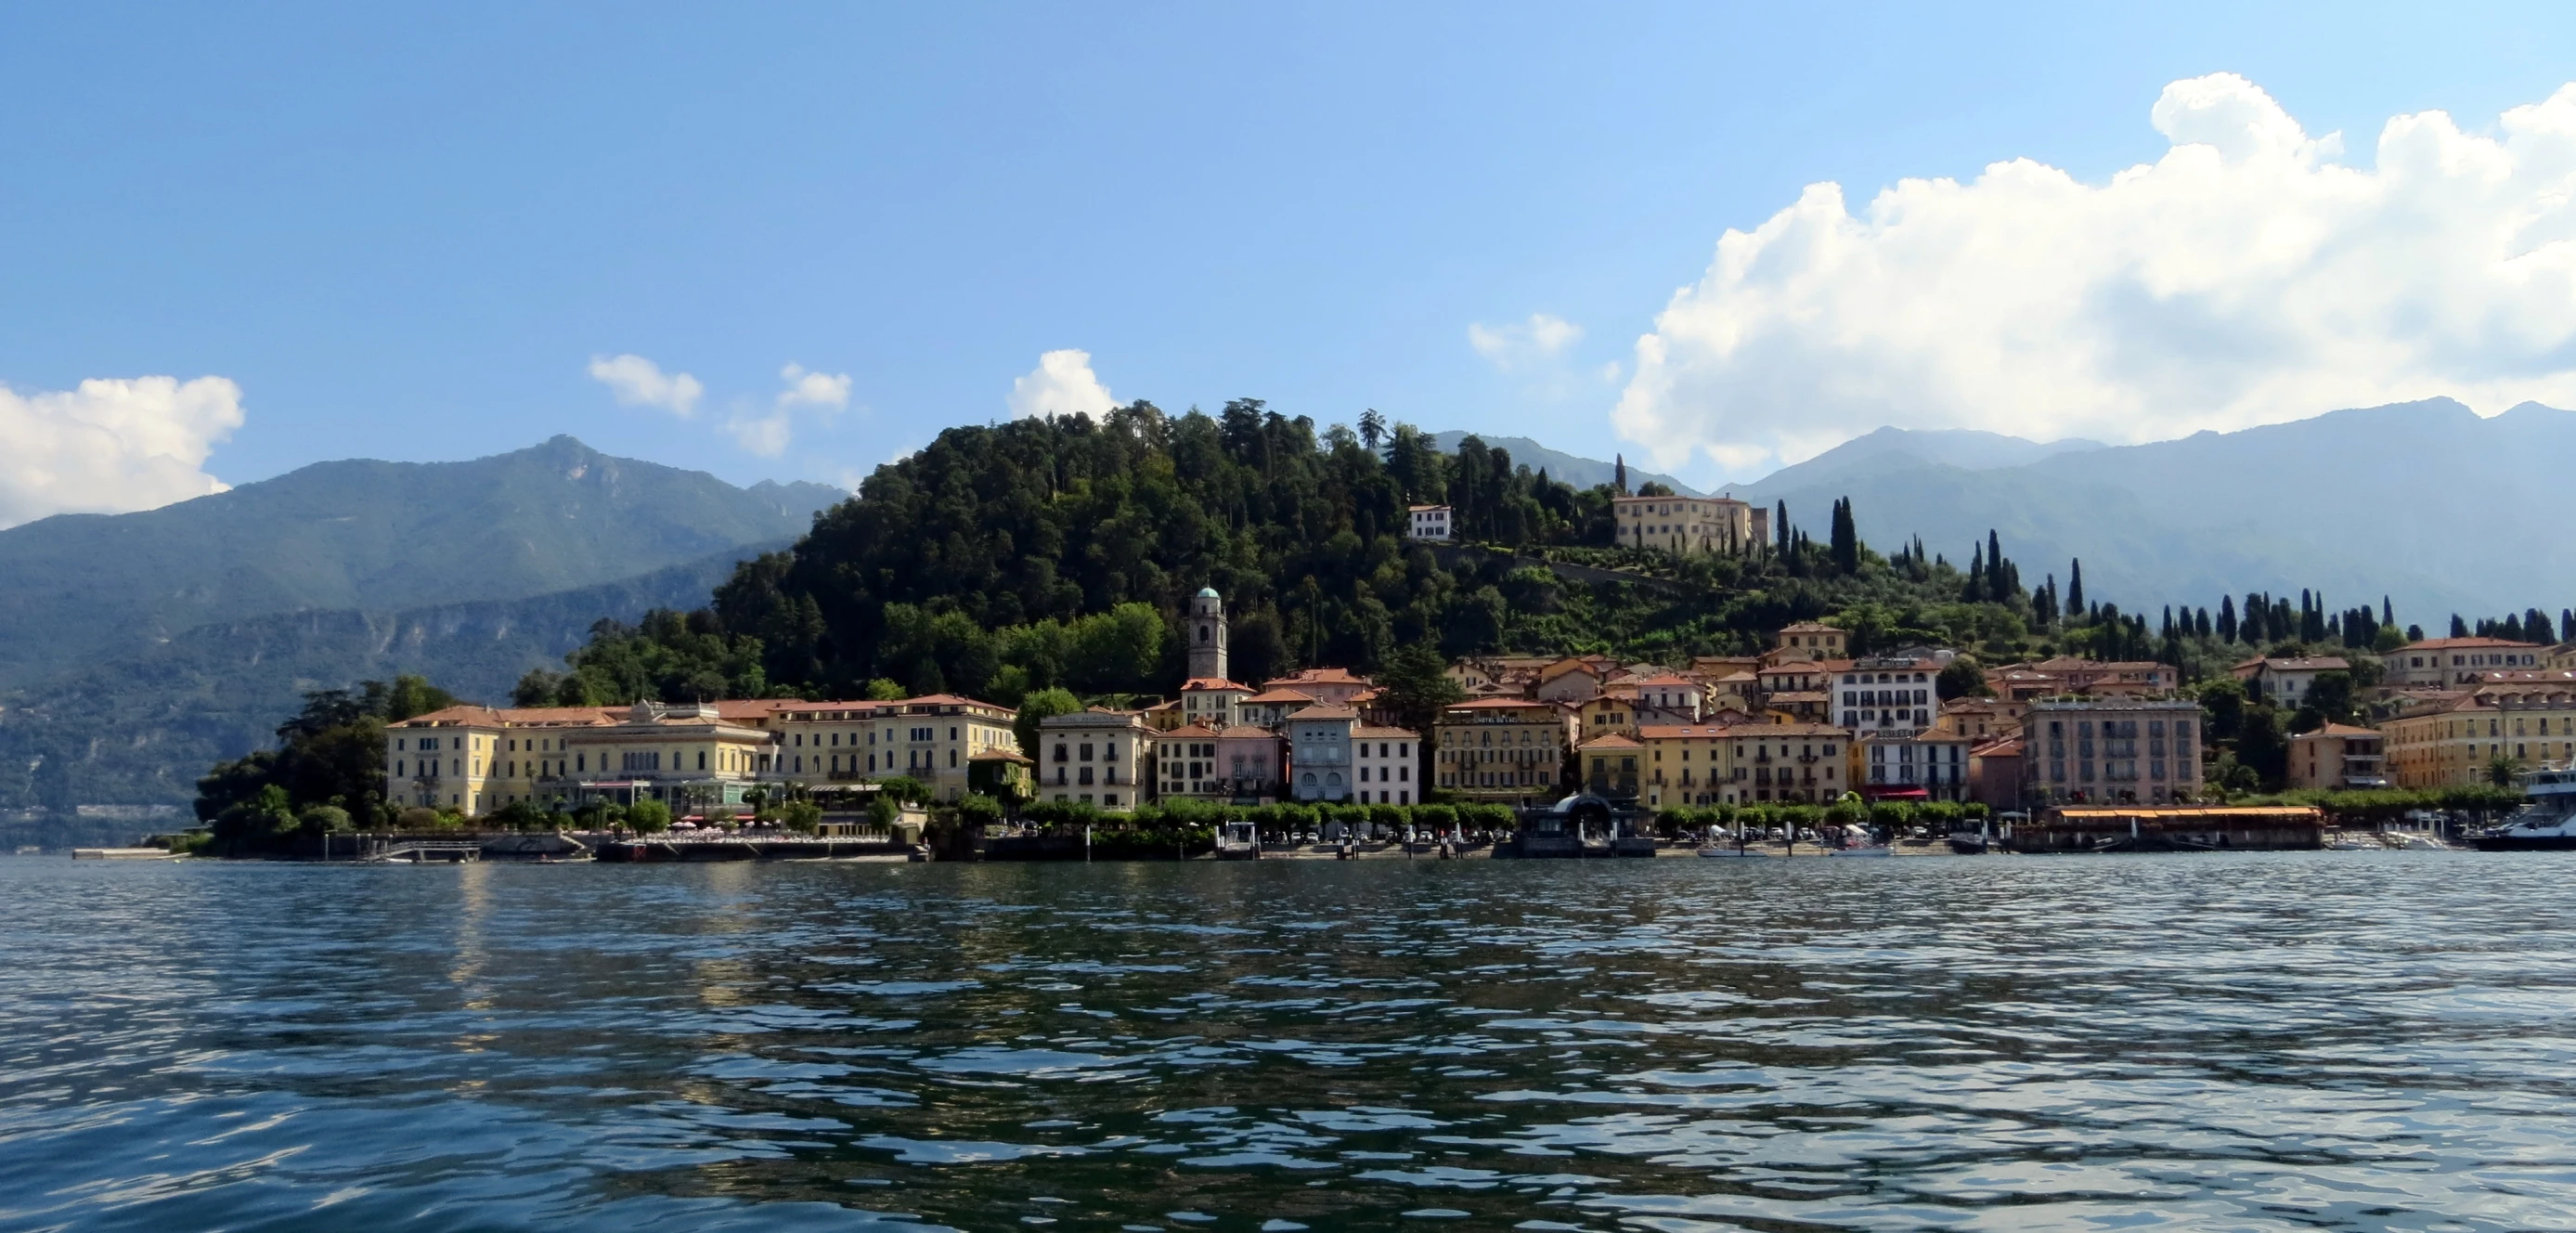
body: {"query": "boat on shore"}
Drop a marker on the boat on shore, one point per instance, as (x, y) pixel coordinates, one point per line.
(2545, 823)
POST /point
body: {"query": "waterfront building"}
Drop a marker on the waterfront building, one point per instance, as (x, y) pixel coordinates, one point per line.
(2455, 663)
(1610, 766)
(2454, 738)
(1427, 522)
(479, 759)
(1685, 763)
(2338, 756)
(1251, 763)
(1319, 753)
(1800, 762)
(1386, 760)
(935, 738)
(1995, 774)
(1096, 757)
(1503, 751)
(2111, 750)
(1925, 765)
(1889, 696)
(1185, 765)
(1690, 526)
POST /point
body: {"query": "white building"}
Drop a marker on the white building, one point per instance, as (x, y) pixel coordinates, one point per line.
(1096, 757)
(1383, 761)
(1930, 765)
(1319, 753)
(1890, 697)
(1429, 522)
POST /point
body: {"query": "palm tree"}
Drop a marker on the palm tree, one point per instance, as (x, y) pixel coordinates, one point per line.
(2501, 771)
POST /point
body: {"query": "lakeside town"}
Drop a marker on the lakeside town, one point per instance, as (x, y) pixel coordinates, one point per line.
(1805, 731)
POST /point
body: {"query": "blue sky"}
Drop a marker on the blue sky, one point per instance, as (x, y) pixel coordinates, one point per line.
(407, 233)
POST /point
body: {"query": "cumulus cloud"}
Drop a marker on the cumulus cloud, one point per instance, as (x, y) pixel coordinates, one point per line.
(639, 382)
(2244, 277)
(769, 433)
(111, 446)
(1061, 384)
(1522, 343)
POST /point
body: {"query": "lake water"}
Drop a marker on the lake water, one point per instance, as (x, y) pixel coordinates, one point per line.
(2290, 1041)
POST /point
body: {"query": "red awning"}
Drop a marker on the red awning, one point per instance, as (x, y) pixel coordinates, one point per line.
(1896, 794)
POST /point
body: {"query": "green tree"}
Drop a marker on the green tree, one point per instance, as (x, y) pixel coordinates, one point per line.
(1416, 687)
(802, 817)
(1037, 708)
(648, 817)
(2502, 771)
(1961, 678)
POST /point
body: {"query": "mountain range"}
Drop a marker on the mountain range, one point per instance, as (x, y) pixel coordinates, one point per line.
(2425, 503)
(136, 649)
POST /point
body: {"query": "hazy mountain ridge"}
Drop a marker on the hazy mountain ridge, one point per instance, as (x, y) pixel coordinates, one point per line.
(139, 729)
(2337, 502)
(1559, 465)
(367, 535)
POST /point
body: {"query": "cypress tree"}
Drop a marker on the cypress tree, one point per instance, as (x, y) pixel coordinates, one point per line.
(2227, 618)
(2459, 628)
(2075, 587)
(1846, 538)
(2200, 624)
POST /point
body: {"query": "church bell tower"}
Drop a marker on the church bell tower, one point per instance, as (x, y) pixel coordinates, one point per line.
(1207, 635)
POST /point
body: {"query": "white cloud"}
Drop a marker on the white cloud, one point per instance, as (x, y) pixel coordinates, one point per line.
(813, 389)
(768, 435)
(639, 382)
(1061, 384)
(2244, 277)
(1522, 343)
(111, 446)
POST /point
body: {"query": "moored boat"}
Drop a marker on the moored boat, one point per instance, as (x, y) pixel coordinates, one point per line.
(2545, 823)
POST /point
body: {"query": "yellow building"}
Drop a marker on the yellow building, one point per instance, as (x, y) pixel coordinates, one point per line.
(1784, 762)
(1808, 640)
(935, 739)
(1611, 765)
(1685, 764)
(1691, 526)
(1503, 751)
(2453, 739)
(479, 759)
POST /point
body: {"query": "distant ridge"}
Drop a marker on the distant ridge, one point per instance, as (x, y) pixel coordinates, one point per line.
(140, 728)
(1559, 465)
(2342, 502)
(363, 534)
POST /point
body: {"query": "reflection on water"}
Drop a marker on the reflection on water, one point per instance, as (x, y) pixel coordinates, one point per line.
(2297, 1041)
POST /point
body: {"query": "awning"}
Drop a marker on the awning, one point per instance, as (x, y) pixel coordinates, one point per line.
(1895, 793)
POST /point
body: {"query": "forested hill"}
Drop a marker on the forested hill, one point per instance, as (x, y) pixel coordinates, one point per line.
(971, 565)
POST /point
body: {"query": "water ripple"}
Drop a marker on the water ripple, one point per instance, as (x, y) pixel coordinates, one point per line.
(2297, 1041)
